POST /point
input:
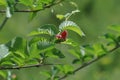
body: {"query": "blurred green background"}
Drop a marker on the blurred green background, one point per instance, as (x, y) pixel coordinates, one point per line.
(94, 18)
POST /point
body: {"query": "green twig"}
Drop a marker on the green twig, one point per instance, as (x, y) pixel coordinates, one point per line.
(3, 23)
(47, 6)
(88, 63)
(27, 66)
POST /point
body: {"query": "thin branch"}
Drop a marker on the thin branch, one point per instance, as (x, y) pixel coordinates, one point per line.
(47, 6)
(90, 62)
(3, 23)
(28, 66)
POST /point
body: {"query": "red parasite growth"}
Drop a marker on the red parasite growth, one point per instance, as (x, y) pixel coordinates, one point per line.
(62, 35)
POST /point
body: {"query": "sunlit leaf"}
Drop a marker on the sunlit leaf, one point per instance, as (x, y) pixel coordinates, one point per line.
(38, 45)
(8, 13)
(19, 54)
(34, 52)
(33, 60)
(18, 61)
(35, 4)
(4, 51)
(9, 74)
(7, 63)
(40, 32)
(69, 42)
(69, 25)
(18, 49)
(59, 16)
(44, 45)
(47, 31)
(52, 28)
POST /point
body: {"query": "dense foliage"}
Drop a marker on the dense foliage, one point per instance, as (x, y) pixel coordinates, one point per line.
(45, 43)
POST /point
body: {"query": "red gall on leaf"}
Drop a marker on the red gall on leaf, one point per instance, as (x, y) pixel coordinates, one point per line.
(62, 36)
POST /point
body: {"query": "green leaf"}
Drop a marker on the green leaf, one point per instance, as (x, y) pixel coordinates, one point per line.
(39, 45)
(26, 2)
(115, 28)
(32, 61)
(69, 42)
(18, 44)
(10, 8)
(32, 15)
(88, 49)
(46, 73)
(112, 39)
(3, 2)
(78, 52)
(98, 50)
(45, 45)
(19, 54)
(118, 38)
(55, 53)
(7, 63)
(66, 69)
(18, 61)
(94, 50)
(40, 32)
(35, 4)
(34, 52)
(75, 61)
(75, 53)
(69, 25)
(46, 31)
(3, 74)
(4, 51)
(54, 70)
(110, 36)
(34, 40)
(44, 1)
(74, 4)
(52, 28)
(88, 58)
(60, 17)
